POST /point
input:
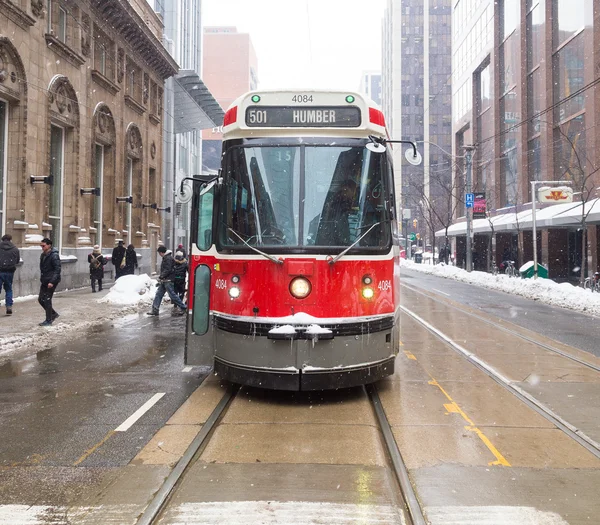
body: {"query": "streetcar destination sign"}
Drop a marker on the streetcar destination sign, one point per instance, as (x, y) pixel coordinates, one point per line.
(303, 117)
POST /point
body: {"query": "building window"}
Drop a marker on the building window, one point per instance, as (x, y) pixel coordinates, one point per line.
(129, 191)
(61, 32)
(569, 78)
(97, 199)
(569, 19)
(57, 148)
(569, 151)
(3, 160)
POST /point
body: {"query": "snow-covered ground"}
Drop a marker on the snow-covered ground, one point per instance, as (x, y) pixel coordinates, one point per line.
(79, 311)
(546, 291)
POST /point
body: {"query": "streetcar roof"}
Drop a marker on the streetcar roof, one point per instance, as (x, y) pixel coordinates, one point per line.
(303, 112)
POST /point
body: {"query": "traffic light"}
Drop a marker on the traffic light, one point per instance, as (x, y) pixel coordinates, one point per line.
(414, 223)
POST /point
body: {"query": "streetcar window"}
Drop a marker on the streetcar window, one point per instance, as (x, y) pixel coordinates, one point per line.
(205, 218)
(304, 195)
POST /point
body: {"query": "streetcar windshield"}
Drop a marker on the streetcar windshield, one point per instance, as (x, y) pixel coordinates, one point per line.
(304, 196)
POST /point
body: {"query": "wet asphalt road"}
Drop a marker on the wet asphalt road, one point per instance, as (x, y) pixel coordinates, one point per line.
(61, 406)
(567, 326)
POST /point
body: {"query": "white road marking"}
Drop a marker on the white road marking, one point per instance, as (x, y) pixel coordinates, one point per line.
(187, 369)
(288, 512)
(436, 290)
(126, 425)
(492, 515)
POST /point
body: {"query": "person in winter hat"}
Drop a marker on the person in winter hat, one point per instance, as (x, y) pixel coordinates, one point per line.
(96, 261)
(165, 283)
(181, 249)
(118, 259)
(181, 266)
(9, 258)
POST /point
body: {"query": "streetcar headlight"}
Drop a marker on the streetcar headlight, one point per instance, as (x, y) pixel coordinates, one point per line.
(234, 292)
(300, 287)
(235, 279)
(367, 279)
(368, 293)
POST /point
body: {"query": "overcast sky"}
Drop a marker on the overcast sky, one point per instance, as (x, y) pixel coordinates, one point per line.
(306, 43)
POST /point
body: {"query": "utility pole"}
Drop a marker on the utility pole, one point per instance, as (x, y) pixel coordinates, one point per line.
(468, 184)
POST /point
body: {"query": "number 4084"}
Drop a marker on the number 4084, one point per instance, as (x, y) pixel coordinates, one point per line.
(384, 285)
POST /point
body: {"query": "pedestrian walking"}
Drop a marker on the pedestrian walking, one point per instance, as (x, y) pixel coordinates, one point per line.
(96, 261)
(49, 278)
(181, 266)
(118, 259)
(130, 261)
(165, 283)
(181, 249)
(9, 258)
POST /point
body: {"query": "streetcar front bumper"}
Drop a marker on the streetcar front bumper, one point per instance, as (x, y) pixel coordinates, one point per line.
(306, 379)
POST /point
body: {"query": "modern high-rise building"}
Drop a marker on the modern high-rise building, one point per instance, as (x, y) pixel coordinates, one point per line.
(417, 104)
(370, 85)
(189, 107)
(230, 70)
(524, 96)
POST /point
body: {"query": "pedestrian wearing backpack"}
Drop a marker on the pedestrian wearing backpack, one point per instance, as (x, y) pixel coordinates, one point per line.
(9, 258)
(97, 262)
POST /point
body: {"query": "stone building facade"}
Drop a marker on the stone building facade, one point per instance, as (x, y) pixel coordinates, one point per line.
(81, 90)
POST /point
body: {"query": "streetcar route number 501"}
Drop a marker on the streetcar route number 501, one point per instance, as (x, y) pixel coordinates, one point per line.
(257, 116)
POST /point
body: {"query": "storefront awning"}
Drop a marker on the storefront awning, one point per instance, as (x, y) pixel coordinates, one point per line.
(554, 216)
(195, 107)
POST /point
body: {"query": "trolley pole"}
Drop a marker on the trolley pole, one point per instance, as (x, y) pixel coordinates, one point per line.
(468, 159)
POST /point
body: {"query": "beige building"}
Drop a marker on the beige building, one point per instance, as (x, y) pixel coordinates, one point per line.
(81, 89)
(230, 69)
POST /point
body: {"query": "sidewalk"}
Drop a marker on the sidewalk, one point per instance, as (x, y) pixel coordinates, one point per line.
(79, 310)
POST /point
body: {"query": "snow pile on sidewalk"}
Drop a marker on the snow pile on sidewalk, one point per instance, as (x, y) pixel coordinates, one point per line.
(131, 290)
(546, 291)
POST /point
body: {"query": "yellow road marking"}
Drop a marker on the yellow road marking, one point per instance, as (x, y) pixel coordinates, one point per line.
(409, 355)
(90, 451)
(401, 343)
(453, 407)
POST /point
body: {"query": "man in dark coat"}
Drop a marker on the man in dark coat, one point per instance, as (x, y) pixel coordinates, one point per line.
(118, 257)
(49, 277)
(9, 258)
(165, 283)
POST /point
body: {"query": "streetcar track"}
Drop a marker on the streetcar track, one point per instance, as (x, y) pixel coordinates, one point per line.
(570, 430)
(162, 496)
(509, 331)
(400, 469)
(159, 503)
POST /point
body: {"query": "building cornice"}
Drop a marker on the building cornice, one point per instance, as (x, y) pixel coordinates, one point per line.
(121, 16)
(19, 17)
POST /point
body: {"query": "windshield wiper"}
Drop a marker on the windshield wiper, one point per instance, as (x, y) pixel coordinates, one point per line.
(341, 254)
(270, 257)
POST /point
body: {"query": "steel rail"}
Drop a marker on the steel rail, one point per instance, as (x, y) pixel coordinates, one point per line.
(573, 432)
(509, 331)
(157, 504)
(408, 492)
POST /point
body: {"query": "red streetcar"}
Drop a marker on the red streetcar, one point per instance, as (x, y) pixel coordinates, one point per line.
(294, 260)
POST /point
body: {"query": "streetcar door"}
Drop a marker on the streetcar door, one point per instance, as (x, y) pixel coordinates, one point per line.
(199, 348)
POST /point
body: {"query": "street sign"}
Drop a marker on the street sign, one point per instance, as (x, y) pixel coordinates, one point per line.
(555, 194)
(469, 199)
(412, 237)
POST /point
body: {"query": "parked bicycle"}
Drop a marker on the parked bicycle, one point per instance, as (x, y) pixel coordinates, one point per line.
(508, 267)
(592, 283)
